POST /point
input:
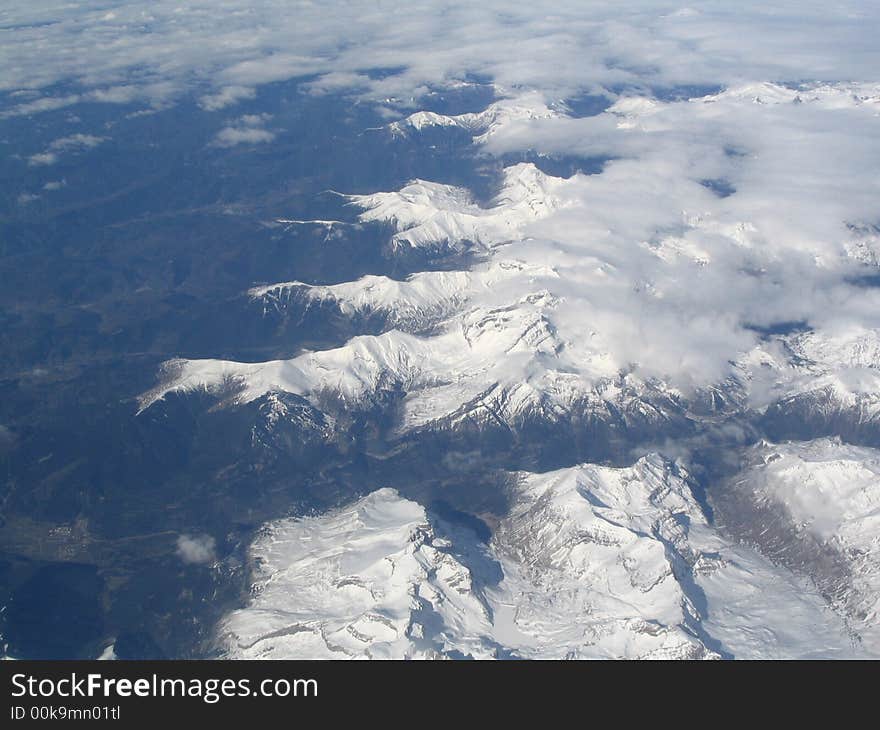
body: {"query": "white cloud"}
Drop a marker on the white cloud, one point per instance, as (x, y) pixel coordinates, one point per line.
(335, 82)
(226, 96)
(196, 549)
(247, 129)
(123, 94)
(73, 142)
(158, 49)
(231, 136)
(42, 158)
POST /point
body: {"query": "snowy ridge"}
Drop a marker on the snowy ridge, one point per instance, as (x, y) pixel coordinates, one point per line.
(591, 562)
(633, 110)
(412, 304)
(350, 372)
(478, 359)
(430, 215)
(481, 125)
(416, 302)
(836, 373)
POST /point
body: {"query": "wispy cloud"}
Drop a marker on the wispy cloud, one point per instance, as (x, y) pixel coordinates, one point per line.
(226, 96)
(26, 198)
(73, 142)
(248, 129)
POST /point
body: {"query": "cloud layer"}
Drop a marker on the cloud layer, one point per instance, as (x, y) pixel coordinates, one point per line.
(158, 50)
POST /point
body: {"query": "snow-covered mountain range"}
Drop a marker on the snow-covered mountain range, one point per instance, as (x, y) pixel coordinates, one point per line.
(702, 280)
(551, 305)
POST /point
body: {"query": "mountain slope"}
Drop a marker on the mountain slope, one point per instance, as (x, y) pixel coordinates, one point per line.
(815, 506)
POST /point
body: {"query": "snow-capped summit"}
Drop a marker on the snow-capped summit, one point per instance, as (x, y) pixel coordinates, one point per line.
(373, 580)
(630, 552)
